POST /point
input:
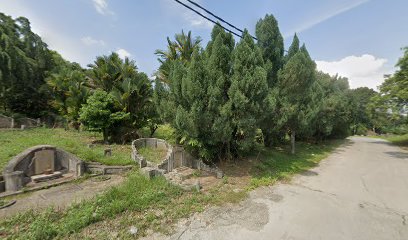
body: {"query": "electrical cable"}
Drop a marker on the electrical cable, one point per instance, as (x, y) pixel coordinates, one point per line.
(222, 20)
(226, 29)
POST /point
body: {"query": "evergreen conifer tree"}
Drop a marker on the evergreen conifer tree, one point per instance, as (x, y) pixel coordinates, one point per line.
(247, 93)
(219, 63)
(270, 41)
(295, 83)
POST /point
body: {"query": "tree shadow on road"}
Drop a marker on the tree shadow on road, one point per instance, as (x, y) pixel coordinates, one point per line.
(346, 143)
(401, 155)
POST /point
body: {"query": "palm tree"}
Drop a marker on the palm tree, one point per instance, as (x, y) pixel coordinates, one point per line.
(69, 92)
(107, 71)
(181, 49)
(133, 96)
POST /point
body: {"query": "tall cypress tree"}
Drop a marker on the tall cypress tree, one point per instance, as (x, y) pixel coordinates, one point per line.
(247, 93)
(193, 120)
(295, 83)
(270, 41)
(293, 49)
(219, 63)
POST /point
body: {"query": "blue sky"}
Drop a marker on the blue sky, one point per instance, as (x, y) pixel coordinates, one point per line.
(359, 39)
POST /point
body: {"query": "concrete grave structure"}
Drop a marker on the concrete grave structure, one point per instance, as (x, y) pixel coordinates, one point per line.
(27, 122)
(40, 163)
(21, 123)
(176, 158)
(6, 122)
(2, 184)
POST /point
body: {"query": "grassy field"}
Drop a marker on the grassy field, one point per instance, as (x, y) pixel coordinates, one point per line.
(152, 204)
(15, 141)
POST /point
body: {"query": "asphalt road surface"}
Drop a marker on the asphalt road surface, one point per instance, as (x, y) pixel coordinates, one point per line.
(359, 192)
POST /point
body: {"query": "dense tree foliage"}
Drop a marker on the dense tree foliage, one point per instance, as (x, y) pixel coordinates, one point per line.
(388, 109)
(270, 41)
(330, 111)
(216, 109)
(295, 91)
(24, 62)
(247, 93)
(222, 100)
(131, 93)
(68, 91)
(38, 82)
(180, 49)
(361, 120)
(99, 114)
(395, 88)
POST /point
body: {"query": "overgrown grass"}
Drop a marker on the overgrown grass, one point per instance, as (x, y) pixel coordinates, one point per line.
(400, 140)
(147, 204)
(13, 142)
(140, 202)
(278, 164)
(136, 194)
(155, 155)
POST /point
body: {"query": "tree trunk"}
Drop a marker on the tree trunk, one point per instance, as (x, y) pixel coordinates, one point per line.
(292, 140)
(105, 136)
(153, 130)
(268, 139)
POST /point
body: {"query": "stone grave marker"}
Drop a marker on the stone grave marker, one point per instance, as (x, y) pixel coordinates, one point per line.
(107, 152)
(44, 161)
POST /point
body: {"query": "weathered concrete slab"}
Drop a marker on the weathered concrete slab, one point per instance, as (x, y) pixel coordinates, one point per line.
(46, 177)
(44, 160)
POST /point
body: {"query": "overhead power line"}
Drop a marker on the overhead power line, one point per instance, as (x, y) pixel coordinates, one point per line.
(197, 12)
(211, 20)
(212, 14)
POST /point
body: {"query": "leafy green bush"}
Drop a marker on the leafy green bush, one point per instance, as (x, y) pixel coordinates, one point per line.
(361, 130)
(98, 114)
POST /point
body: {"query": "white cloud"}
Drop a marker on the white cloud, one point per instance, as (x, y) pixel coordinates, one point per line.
(362, 71)
(89, 41)
(188, 16)
(123, 53)
(102, 7)
(197, 21)
(322, 18)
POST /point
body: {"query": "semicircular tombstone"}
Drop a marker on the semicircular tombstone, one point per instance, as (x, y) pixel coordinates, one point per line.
(40, 163)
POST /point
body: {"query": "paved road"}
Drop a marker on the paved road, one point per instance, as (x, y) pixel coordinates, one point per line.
(359, 192)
